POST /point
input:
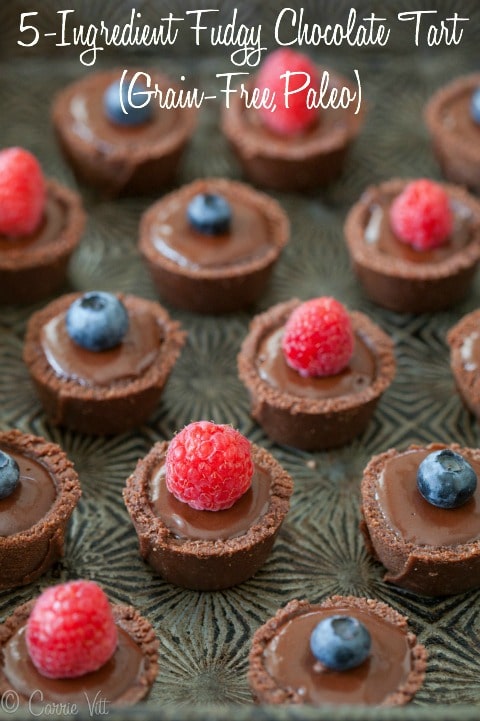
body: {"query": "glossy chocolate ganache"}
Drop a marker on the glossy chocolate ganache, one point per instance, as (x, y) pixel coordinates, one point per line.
(51, 227)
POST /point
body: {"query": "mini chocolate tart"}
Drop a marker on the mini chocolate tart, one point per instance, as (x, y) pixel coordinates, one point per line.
(455, 135)
(464, 342)
(313, 413)
(283, 669)
(34, 518)
(105, 392)
(34, 266)
(400, 278)
(213, 273)
(430, 550)
(206, 550)
(292, 163)
(124, 680)
(118, 159)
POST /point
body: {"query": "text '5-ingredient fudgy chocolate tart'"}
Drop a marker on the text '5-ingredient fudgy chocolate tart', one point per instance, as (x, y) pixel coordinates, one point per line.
(211, 245)
(99, 361)
(41, 223)
(72, 646)
(292, 144)
(464, 342)
(117, 136)
(414, 244)
(452, 116)
(207, 506)
(314, 372)
(346, 650)
(39, 490)
(421, 511)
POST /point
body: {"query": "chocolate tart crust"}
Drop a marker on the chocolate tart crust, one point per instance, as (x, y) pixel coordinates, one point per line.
(127, 618)
(468, 382)
(398, 284)
(101, 410)
(201, 564)
(302, 422)
(459, 158)
(29, 275)
(304, 162)
(264, 687)
(427, 570)
(214, 290)
(25, 556)
(143, 168)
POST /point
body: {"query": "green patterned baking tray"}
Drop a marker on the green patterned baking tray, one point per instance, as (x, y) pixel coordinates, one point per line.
(204, 637)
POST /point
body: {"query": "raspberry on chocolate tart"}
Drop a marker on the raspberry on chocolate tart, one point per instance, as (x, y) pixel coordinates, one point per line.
(207, 506)
(116, 136)
(211, 245)
(72, 646)
(39, 490)
(421, 517)
(41, 223)
(414, 244)
(99, 361)
(314, 372)
(296, 146)
(346, 650)
(464, 342)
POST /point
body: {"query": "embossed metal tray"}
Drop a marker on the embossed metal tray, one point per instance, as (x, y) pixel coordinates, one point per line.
(205, 637)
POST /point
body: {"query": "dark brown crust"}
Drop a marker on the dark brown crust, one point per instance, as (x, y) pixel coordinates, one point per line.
(468, 383)
(205, 565)
(146, 168)
(128, 618)
(294, 165)
(27, 555)
(27, 277)
(264, 687)
(398, 284)
(428, 570)
(101, 410)
(458, 157)
(302, 422)
(215, 290)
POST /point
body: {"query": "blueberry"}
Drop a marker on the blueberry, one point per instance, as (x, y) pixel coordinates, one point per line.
(475, 105)
(116, 96)
(445, 479)
(340, 642)
(9, 474)
(209, 213)
(97, 321)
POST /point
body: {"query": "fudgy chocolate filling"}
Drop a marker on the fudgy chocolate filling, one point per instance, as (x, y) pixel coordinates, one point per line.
(32, 498)
(126, 361)
(51, 226)
(379, 233)
(290, 662)
(456, 117)
(247, 239)
(273, 369)
(90, 122)
(186, 522)
(470, 351)
(416, 520)
(109, 682)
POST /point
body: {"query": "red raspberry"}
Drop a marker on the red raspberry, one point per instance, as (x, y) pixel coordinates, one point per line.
(318, 338)
(22, 192)
(208, 466)
(71, 630)
(296, 117)
(421, 215)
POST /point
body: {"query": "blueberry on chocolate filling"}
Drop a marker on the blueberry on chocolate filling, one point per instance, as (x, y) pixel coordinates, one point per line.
(445, 479)
(97, 321)
(125, 103)
(340, 643)
(9, 475)
(209, 214)
(475, 106)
